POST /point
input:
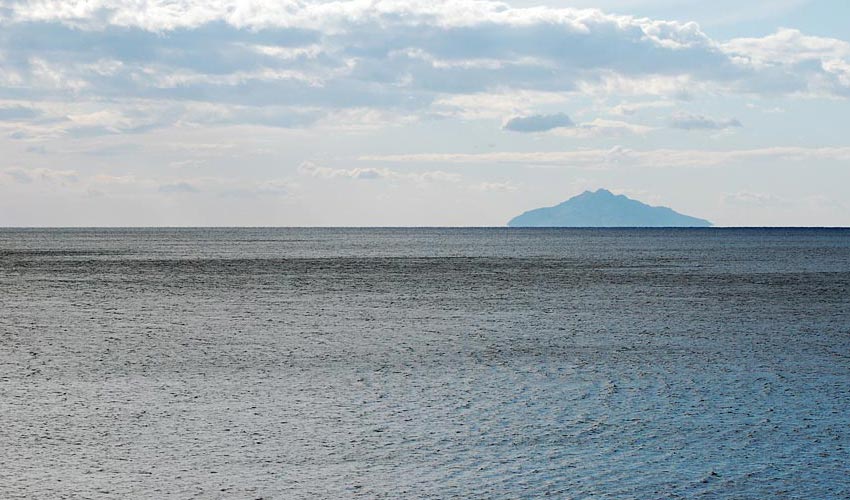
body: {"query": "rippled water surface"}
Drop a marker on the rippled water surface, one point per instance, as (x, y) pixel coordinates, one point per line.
(424, 363)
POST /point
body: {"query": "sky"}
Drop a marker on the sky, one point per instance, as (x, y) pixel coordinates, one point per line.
(420, 113)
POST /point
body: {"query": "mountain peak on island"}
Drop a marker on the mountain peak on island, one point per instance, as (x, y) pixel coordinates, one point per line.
(598, 192)
(602, 208)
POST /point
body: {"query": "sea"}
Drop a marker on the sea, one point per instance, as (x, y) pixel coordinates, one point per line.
(424, 363)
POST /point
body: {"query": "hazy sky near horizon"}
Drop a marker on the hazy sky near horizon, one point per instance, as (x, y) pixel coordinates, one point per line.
(410, 113)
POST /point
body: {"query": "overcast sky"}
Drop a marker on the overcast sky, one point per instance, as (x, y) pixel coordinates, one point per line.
(410, 113)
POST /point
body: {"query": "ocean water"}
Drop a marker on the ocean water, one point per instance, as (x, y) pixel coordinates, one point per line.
(424, 363)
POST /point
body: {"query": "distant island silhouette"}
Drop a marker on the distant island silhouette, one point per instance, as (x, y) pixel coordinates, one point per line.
(602, 208)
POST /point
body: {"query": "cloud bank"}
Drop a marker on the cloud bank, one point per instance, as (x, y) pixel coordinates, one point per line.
(538, 123)
(290, 63)
(600, 158)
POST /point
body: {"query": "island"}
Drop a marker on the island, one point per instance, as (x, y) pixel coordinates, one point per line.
(602, 208)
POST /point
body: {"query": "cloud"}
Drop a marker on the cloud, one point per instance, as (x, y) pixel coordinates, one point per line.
(563, 125)
(178, 187)
(538, 123)
(134, 116)
(596, 158)
(18, 113)
(600, 127)
(290, 63)
(685, 121)
(313, 170)
(628, 109)
(103, 184)
(107, 179)
(433, 176)
(369, 174)
(275, 188)
(503, 187)
(788, 46)
(494, 104)
(770, 110)
(29, 176)
(789, 62)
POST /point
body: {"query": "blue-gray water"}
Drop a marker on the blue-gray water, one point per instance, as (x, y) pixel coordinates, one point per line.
(394, 363)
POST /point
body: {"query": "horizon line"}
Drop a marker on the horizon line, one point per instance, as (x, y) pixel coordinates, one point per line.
(426, 227)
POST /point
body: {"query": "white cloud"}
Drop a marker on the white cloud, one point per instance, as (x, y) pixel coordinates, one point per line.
(412, 57)
(595, 158)
(368, 173)
(132, 185)
(313, 170)
(107, 179)
(788, 46)
(687, 121)
(631, 108)
(503, 187)
(46, 175)
(682, 86)
(601, 127)
(495, 105)
(821, 65)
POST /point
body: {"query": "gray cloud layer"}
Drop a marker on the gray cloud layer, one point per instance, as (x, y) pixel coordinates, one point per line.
(538, 123)
(291, 63)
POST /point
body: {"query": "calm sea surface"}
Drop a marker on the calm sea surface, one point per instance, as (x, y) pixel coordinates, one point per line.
(424, 363)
